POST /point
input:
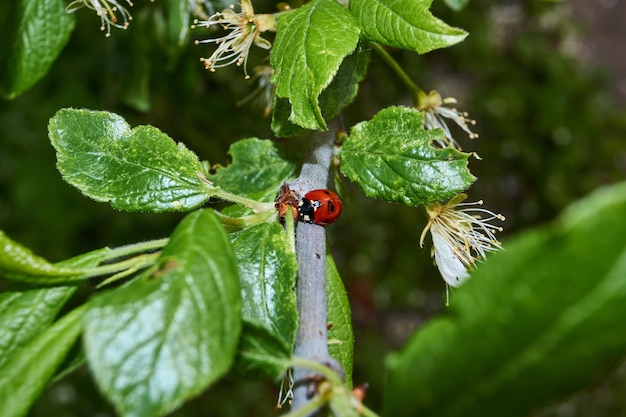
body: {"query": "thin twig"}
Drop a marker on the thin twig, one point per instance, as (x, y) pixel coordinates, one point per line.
(311, 340)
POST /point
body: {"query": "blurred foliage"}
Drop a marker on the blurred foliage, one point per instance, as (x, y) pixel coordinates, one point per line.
(548, 135)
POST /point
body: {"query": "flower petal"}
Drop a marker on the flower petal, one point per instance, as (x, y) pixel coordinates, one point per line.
(450, 266)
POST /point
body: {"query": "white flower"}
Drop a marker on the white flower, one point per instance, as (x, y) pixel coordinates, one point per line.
(460, 236)
(111, 12)
(244, 29)
(436, 110)
(263, 94)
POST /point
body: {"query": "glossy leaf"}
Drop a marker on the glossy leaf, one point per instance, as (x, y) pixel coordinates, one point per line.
(135, 170)
(267, 269)
(538, 321)
(311, 43)
(35, 34)
(26, 314)
(257, 170)
(391, 158)
(18, 263)
(26, 311)
(405, 24)
(340, 334)
(164, 337)
(21, 382)
(337, 96)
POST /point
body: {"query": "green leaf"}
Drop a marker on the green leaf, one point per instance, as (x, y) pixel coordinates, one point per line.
(25, 312)
(281, 126)
(25, 317)
(540, 320)
(135, 170)
(26, 372)
(164, 337)
(18, 263)
(456, 5)
(337, 96)
(340, 334)
(267, 270)
(405, 24)
(390, 157)
(36, 32)
(311, 43)
(257, 170)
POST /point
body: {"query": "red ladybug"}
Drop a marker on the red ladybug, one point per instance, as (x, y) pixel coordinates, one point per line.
(319, 207)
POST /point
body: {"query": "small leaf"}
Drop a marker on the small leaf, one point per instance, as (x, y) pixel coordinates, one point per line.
(406, 24)
(340, 334)
(164, 337)
(311, 43)
(391, 158)
(267, 269)
(135, 170)
(26, 372)
(36, 33)
(549, 308)
(18, 263)
(257, 170)
(336, 97)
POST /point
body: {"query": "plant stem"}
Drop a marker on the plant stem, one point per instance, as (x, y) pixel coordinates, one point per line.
(312, 337)
(397, 69)
(133, 248)
(136, 262)
(214, 191)
(257, 206)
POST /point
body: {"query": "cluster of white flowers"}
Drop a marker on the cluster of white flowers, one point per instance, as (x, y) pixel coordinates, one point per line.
(461, 232)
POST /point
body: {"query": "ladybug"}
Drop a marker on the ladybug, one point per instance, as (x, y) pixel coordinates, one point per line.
(320, 207)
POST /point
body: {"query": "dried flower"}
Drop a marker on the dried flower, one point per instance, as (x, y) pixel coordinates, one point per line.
(263, 94)
(285, 393)
(436, 110)
(460, 236)
(111, 12)
(244, 29)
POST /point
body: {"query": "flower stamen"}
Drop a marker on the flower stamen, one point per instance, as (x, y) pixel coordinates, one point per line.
(436, 110)
(462, 234)
(111, 13)
(244, 29)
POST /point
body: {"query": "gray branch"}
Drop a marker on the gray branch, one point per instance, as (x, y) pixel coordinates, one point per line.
(312, 339)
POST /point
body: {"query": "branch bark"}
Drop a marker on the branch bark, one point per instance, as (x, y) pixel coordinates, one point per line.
(312, 337)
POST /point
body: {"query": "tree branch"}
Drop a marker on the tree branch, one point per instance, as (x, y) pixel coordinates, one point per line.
(312, 337)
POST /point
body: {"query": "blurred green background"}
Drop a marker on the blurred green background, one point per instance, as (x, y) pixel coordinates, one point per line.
(541, 78)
